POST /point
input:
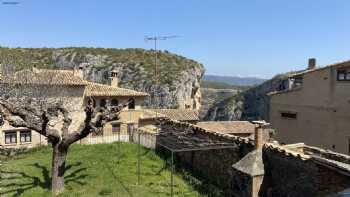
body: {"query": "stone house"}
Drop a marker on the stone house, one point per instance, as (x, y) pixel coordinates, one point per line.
(68, 87)
(313, 107)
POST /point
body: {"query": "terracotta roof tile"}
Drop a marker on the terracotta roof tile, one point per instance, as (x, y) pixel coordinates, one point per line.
(179, 114)
(67, 77)
(149, 114)
(44, 77)
(228, 127)
(96, 89)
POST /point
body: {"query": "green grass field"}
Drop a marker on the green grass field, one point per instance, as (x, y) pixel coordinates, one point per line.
(92, 170)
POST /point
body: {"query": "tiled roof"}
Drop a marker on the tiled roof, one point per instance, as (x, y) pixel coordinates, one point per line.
(228, 126)
(67, 77)
(44, 77)
(179, 114)
(286, 151)
(327, 158)
(149, 114)
(189, 136)
(96, 89)
(337, 64)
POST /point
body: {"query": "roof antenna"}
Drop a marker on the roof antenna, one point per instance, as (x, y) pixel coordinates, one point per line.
(156, 39)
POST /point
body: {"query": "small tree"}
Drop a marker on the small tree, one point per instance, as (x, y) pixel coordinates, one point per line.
(25, 101)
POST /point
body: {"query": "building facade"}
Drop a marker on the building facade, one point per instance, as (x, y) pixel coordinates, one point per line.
(313, 107)
(68, 87)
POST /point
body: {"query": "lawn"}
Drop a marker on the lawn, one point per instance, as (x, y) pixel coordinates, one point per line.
(92, 170)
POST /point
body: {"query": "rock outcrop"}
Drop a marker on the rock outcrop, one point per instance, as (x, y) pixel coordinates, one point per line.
(212, 102)
(251, 104)
(177, 85)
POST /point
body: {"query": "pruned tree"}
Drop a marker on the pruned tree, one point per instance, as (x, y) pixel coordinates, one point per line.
(25, 101)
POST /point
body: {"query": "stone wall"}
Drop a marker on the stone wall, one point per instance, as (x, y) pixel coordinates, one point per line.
(293, 176)
(147, 140)
(215, 166)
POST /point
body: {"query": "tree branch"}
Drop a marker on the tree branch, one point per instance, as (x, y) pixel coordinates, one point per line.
(94, 122)
(21, 113)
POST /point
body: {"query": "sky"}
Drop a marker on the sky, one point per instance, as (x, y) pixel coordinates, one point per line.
(258, 38)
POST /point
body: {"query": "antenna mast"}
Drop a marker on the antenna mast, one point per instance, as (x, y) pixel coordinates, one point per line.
(155, 39)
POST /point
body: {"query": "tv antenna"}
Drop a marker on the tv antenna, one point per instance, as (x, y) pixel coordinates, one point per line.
(155, 39)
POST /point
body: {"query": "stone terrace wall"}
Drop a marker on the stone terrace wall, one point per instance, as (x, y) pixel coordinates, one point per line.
(293, 175)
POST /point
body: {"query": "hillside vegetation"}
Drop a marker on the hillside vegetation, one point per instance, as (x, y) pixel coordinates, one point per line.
(177, 83)
(169, 64)
(94, 170)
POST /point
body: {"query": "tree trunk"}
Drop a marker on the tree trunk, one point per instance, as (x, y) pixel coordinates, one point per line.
(58, 167)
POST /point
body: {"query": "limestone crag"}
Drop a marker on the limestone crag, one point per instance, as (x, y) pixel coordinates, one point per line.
(210, 102)
(251, 104)
(177, 85)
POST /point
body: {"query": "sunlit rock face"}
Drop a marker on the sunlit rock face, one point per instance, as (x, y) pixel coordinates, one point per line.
(251, 104)
(176, 86)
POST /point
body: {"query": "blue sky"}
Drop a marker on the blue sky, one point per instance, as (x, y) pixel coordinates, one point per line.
(244, 38)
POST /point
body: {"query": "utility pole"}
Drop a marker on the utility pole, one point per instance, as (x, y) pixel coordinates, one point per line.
(156, 39)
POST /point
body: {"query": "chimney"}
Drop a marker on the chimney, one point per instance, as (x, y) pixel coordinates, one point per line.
(114, 78)
(79, 72)
(312, 64)
(35, 69)
(261, 135)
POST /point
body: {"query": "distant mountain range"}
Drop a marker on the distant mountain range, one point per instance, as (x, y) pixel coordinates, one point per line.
(233, 80)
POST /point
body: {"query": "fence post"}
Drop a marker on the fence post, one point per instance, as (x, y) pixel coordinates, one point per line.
(172, 172)
(138, 158)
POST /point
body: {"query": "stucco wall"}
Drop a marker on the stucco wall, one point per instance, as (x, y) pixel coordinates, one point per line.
(322, 106)
(121, 99)
(37, 140)
(70, 96)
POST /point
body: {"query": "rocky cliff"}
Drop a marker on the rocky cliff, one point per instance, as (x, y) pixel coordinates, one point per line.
(251, 104)
(177, 85)
(214, 104)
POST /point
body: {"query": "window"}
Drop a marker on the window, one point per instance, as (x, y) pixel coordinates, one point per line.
(298, 81)
(288, 115)
(25, 136)
(115, 127)
(114, 102)
(131, 104)
(103, 103)
(11, 137)
(343, 75)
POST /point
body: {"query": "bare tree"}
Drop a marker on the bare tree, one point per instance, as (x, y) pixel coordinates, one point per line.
(26, 101)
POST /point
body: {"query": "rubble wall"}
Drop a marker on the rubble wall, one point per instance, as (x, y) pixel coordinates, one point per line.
(293, 176)
(215, 166)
